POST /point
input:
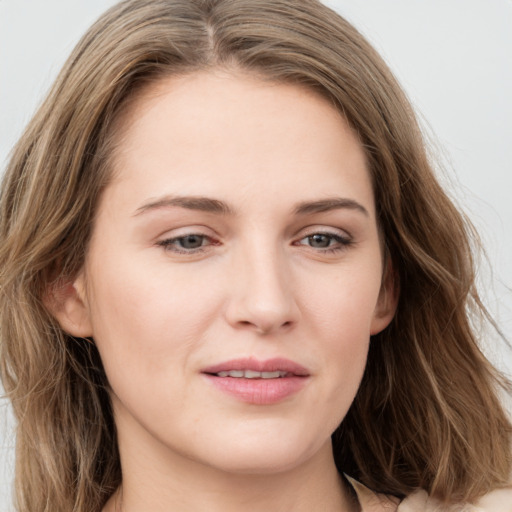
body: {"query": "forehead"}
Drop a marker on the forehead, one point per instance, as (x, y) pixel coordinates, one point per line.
(219, 133)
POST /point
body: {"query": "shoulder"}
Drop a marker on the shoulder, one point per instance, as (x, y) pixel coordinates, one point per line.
(370, 501)
(499, 500)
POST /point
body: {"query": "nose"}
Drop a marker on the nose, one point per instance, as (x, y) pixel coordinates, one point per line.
(261, 293)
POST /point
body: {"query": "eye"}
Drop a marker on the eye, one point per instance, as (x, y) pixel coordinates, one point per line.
(187, 244)
(326, 242)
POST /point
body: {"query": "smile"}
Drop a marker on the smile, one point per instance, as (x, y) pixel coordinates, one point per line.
(251, 374)
(256, 382)
(252, 368)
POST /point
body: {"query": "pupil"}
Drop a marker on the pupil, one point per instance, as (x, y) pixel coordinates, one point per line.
(191, 241)
(319, 241)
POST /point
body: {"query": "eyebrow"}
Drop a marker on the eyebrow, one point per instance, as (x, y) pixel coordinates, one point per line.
(203, 204)
(325, 205)
(209, 205)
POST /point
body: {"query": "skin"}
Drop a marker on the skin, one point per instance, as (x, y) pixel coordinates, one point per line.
(257, 283)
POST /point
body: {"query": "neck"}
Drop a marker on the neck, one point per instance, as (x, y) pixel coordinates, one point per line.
(163, 483)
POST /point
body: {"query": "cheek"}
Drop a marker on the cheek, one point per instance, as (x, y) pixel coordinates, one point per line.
(343, 301)
(143, 318)
(340, 314)
(145, 331)
(345, 325)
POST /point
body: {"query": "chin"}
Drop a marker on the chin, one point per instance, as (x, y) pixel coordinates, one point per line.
(260, 455)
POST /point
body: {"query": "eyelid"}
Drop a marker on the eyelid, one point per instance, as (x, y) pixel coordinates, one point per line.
(168, 240)
(183, 229)
(325, 230)
(168, 244)
(342, 239)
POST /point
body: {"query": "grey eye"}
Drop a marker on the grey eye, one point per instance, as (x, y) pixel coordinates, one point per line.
(325, 242)
(320, 241)
(191, 241)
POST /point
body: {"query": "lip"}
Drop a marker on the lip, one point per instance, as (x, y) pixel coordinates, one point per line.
(268, 365)
(259, 391)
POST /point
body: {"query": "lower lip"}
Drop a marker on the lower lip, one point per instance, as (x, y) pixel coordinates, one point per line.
(259, 391)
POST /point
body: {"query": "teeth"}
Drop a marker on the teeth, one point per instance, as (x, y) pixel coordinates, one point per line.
(250, 374)
(232, 373)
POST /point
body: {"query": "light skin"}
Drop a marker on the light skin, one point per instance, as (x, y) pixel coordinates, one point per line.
(240, 223)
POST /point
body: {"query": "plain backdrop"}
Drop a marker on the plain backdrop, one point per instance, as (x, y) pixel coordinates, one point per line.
(453, 57)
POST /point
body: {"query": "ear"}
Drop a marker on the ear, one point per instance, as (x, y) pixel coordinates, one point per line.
(388, 300)
(67, 302)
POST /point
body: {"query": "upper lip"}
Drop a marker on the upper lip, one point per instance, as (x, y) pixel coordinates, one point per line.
(256, 365)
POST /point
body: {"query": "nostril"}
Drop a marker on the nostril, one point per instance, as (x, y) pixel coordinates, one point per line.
(264, 327)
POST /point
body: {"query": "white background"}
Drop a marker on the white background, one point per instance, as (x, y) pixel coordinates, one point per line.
(454, 58)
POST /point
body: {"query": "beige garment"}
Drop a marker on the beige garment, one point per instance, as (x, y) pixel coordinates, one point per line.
(499, 500)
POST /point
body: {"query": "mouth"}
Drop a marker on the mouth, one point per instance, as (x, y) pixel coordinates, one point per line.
(258, 382)
(251, 368)
(251, 374)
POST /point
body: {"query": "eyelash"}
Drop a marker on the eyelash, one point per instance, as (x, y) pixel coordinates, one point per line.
(171, 243)
(340, 243)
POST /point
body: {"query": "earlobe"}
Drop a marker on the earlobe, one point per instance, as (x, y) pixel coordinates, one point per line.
(67, 302)
(387, 302)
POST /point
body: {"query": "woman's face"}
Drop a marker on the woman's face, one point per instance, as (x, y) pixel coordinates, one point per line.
(234, 275)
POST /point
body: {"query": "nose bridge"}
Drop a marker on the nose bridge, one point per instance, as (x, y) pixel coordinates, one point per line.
(262, 296)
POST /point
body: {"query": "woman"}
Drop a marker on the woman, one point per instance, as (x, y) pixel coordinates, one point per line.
(230, 278)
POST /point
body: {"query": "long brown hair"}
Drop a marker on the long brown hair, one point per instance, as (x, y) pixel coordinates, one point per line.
(427, 413)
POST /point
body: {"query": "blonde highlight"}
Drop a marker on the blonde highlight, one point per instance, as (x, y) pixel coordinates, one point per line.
(417, 419)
